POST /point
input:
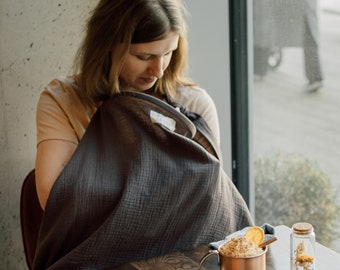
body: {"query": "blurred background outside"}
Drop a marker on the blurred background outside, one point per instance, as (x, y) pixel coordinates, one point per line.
(296, 114)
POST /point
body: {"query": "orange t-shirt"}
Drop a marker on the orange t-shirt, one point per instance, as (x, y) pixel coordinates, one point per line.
(62, 115)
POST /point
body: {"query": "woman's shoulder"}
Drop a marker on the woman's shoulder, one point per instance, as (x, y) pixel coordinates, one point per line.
(61, 113)
(63, 90)
(193, 97)
(198, 100)
(191, 90)
(62, 87)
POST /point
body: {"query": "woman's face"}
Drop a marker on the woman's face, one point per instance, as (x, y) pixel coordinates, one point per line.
(145, 63)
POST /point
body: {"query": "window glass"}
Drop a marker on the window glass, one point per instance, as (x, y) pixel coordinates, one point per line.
(296, 114)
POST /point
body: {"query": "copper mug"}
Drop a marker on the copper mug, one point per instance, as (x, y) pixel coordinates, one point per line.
(257, 262)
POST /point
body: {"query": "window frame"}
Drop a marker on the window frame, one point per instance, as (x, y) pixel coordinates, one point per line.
(240, 25)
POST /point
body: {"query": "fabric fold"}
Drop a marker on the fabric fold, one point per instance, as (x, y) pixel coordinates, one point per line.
(134, 190)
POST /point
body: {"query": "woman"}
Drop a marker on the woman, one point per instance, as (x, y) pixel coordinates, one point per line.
(107, 64)
(98, 169)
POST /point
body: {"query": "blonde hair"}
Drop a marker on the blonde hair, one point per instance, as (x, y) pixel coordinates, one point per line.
(113, 26)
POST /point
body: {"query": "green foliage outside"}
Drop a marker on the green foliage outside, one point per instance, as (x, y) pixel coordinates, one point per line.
(290, 189)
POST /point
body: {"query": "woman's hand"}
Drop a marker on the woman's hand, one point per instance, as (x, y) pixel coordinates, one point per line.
(52, 156)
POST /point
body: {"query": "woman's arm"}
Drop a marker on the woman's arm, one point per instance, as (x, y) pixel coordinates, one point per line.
(52, 156)
(61, 120)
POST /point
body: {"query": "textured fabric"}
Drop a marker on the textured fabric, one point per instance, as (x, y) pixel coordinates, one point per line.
(61, 114)
(134, 190)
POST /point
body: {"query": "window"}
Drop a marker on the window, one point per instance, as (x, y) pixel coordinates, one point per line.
(296, 114)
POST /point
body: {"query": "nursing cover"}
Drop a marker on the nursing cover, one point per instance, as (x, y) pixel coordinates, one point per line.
(139, 185)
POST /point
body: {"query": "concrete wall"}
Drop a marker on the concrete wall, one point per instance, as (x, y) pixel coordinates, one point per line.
(38, 41)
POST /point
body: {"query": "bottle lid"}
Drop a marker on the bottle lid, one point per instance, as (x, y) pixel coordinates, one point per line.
(302, 228)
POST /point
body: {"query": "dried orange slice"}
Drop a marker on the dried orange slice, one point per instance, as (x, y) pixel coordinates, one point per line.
(255, 234)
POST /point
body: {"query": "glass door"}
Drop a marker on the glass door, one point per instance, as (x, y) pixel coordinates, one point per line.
(296, 114)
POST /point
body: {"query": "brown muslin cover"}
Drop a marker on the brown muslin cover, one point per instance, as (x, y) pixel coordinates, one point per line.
(134, 189)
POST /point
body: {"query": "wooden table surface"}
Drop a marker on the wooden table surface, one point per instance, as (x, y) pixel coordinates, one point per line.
(277, 257)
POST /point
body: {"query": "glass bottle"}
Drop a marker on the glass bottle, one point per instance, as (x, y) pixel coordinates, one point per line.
(302, 247)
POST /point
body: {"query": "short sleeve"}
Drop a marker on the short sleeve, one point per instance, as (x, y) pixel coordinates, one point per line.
(52, 122)
(60, 113)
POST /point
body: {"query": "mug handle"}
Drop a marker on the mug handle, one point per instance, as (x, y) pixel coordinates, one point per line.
(206, 256)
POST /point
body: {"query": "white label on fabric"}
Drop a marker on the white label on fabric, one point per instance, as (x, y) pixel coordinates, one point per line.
(162, 120)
